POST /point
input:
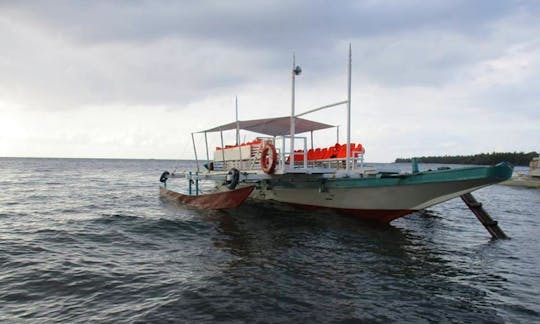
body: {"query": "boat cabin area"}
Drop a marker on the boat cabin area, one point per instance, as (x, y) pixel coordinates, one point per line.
(277, 151)
(247, 156)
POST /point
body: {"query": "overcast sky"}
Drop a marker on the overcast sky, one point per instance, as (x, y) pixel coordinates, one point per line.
(133, 79)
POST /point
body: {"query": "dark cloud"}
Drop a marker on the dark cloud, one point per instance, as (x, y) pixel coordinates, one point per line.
(282, 24)
(71, 53)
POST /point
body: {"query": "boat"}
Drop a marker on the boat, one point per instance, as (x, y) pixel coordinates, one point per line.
(215, 200)
(281, 164)
(531, 179)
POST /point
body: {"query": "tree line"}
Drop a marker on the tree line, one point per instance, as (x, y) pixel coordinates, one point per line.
(516, 158)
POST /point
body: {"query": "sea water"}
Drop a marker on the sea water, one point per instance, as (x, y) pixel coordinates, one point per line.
(88, 240)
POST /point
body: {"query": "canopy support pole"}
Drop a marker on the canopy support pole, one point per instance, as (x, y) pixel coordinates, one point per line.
(195, 151)
(238, 135)
(222, 149)
(311, 140)
(206, 144)
(321, 108)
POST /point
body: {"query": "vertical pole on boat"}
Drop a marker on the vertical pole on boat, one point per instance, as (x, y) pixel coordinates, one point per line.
(337, 134)
(189, 183)
(195, 151)
(282, 155)
(293, 73)
(196, 183)
(206, 144)
(222, 148)
(414, 165)
(348, 158)
(311, 140)
(304, 157)
(237, 123)
(238, 136)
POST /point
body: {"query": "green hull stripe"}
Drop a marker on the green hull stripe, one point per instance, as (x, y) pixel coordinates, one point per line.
(494, 174)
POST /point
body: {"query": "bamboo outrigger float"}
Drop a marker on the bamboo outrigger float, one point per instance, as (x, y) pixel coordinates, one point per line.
(279, 166)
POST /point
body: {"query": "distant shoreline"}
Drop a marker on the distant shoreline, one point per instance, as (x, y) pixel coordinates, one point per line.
(90, 158)
(516, 158)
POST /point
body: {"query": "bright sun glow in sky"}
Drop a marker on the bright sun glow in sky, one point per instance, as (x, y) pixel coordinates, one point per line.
(133, 79)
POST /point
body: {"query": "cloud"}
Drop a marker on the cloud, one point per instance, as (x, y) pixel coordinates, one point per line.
(77, 52)
(258, 23)
(444, 65)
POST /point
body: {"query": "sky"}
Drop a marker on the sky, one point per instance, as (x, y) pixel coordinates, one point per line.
(133, 79)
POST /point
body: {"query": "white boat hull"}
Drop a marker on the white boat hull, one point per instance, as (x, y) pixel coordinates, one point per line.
(380, 203)
(395, 197)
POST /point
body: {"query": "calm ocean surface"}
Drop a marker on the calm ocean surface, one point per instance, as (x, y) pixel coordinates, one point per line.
(84, 240)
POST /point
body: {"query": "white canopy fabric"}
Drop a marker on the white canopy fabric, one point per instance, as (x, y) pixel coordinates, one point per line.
(272, 126)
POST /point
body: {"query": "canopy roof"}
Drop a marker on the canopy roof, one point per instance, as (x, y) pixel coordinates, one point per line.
(272, 126)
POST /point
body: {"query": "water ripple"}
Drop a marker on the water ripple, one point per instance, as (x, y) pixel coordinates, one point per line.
(90, 241)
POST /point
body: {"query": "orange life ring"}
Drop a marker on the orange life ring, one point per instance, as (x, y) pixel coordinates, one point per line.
(268, 163)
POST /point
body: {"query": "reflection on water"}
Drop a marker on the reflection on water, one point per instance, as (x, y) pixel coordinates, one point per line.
(330, 258)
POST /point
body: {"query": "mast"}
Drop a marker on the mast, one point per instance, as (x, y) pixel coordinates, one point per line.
(237, 123)
(291, 159)
(296, 70)
(238, 133)
(348, 111)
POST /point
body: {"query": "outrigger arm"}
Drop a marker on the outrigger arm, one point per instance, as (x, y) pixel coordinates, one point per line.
(491, 225)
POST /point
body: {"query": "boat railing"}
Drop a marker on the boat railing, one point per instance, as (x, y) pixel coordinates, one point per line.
(333, 157)
(288, 160)
(246, 156)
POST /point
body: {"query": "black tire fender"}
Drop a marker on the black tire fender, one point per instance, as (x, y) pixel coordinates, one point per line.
(164, 176)
(233, 177)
